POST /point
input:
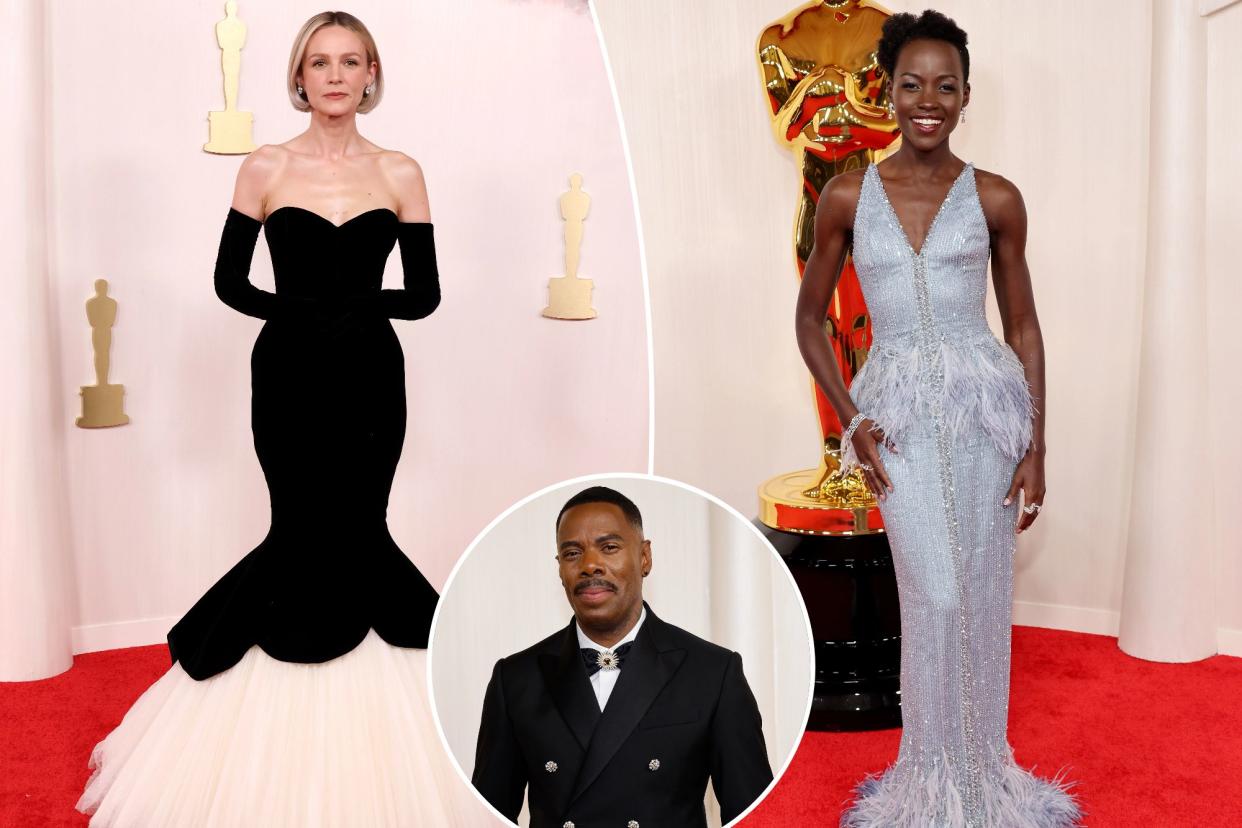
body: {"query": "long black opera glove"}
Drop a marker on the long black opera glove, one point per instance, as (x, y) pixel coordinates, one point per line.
(232, 278)
(417, 299)
(421, 294)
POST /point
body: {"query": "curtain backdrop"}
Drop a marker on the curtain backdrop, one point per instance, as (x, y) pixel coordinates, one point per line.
(37, 599)
(1117, 121)
(499, 100)
(712, 574)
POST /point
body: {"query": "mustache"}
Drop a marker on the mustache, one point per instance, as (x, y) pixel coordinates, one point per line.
(594, 583)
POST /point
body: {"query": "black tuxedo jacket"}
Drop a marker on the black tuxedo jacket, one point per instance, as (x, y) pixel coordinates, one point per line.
(681, 712)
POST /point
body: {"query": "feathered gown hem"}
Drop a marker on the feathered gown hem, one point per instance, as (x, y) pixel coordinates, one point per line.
(1011, 797)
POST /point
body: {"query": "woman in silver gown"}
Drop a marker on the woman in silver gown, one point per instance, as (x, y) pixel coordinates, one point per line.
(947, 425)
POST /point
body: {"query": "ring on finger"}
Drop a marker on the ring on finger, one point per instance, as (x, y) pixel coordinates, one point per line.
(867, 467)
(1031, 508)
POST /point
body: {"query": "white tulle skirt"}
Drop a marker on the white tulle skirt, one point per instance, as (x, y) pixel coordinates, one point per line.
(350, 742)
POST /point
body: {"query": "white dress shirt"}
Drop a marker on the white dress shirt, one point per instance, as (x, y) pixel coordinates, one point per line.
(603, 681)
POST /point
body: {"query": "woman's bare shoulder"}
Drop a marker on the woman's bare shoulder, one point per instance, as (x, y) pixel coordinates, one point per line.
(844, 187)
(399, 167)
(839, 199)
(258, 171)
(405, 179)
(264, 161)
(995, 186)
(1000, 198)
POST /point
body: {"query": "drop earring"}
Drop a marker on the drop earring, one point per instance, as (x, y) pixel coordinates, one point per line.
(962, 119)
(301, 93)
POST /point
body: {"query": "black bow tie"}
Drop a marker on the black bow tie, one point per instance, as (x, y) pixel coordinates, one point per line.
(596, 660)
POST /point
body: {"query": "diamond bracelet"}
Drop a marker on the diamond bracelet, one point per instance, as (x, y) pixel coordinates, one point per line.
(848, 434)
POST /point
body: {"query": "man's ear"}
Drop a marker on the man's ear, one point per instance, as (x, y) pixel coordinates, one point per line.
(646, 558)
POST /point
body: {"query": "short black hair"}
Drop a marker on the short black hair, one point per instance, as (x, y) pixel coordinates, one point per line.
(603, 494)
(900, 29)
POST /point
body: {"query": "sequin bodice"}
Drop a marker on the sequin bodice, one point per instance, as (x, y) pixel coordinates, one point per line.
(954, 256)
(932, 344)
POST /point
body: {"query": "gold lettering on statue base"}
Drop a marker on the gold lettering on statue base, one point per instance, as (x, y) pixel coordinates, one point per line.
(102, 404)
(568, 296)
(230, 131)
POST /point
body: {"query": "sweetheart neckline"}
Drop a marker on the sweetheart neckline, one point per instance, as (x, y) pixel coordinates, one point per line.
(330, 221)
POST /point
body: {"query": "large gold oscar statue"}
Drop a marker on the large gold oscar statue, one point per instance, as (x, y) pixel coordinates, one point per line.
(829, 106)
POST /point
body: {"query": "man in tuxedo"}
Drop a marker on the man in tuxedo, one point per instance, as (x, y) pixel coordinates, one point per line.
(619, 719)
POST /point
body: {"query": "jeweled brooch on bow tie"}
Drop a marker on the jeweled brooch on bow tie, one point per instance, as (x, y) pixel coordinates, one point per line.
(608, 660)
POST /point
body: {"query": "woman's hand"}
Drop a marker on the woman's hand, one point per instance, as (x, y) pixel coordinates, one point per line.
(1029, 477)
(865, 447)
(346, 315)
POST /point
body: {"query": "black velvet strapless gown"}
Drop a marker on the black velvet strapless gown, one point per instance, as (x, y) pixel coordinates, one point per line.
(328, 411)
(297, 695)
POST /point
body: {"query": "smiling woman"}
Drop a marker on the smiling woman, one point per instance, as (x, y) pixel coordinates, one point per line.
(947, 425)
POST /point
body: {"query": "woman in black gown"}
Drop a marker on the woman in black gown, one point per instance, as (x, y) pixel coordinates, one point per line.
(297, 695)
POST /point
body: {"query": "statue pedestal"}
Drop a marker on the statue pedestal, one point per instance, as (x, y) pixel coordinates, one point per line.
(102, 406)
(569, 298)
(841, 562)
(230, 132)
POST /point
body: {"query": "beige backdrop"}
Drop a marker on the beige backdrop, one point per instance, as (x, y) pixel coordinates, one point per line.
(712, 574)
(1218, 426)
(115, 185)
(1062, 104)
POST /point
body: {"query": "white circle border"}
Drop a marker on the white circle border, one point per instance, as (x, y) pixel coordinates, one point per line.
(587, 478)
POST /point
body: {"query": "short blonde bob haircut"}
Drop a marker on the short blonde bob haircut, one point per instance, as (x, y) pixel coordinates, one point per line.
(346, 21)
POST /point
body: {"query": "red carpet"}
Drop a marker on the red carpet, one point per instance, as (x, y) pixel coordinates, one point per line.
(50, 726)
(1149, 744)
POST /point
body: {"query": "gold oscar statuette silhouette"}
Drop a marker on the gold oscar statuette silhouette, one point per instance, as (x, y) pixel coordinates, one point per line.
(568, 296)
(230, 130)
(102, 404)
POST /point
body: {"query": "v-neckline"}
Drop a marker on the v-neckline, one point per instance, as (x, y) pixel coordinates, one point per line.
(931, 228)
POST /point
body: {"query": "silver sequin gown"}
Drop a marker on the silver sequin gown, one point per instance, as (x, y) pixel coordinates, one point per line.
(955, 402)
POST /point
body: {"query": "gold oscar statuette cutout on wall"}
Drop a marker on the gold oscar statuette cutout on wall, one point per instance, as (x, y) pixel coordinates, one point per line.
(568, 296)
(230, 130)
(102, 404)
